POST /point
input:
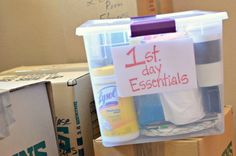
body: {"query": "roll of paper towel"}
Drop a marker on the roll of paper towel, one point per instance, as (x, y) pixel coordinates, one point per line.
(210, 74)
(182, 107)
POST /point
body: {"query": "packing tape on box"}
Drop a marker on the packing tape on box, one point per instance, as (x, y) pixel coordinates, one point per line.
(209, 74)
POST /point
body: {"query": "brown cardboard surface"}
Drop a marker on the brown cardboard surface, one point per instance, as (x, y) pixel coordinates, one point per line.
(43, 32)
(182, 148)
(147, 7)
(31, 33)
(153, 7)
(150, 149)
(164, 6)
(77, 12)
(206, 146)
(229, 37)
(211, 143)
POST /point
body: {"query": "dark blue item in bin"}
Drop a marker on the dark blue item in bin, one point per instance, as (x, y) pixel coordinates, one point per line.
(207, 52)
(211, 99)
(149, 109)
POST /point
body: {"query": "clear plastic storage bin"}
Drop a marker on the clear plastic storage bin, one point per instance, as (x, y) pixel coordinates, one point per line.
(156, 78)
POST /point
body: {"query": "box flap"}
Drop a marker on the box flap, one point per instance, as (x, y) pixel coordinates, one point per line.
(13, 85)
(3, 91)
(43, 69)
(27, 79)
(67, 77)
(57, 73)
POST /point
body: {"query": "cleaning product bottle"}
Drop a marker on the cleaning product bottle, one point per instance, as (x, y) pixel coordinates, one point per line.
(116, 115)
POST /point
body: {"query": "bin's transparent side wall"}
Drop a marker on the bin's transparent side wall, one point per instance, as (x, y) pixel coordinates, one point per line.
(159, 117)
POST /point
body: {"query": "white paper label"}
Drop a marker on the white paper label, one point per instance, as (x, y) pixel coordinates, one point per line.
(155, 67)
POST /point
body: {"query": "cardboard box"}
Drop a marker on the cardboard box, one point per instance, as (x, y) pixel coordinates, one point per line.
(76, 118)
(47, 69)
(220, 145)
(152, 7)
(31, 131)
(44, 31)
(75, 112)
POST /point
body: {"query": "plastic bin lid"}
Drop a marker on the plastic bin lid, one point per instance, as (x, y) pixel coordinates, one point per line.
(181, 18)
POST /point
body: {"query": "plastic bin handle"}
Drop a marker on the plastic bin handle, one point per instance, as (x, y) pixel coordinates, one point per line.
(149, 25)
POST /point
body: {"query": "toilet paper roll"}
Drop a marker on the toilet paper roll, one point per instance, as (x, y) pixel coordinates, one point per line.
(209, 74)
(182, 107)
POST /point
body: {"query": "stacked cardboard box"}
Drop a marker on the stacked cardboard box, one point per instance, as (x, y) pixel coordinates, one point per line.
(43, 69)
(73, 104)
(31, 130)
(220, 145)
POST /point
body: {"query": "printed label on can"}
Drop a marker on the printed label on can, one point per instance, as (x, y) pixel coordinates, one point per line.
(107, 97)
(116, 115)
